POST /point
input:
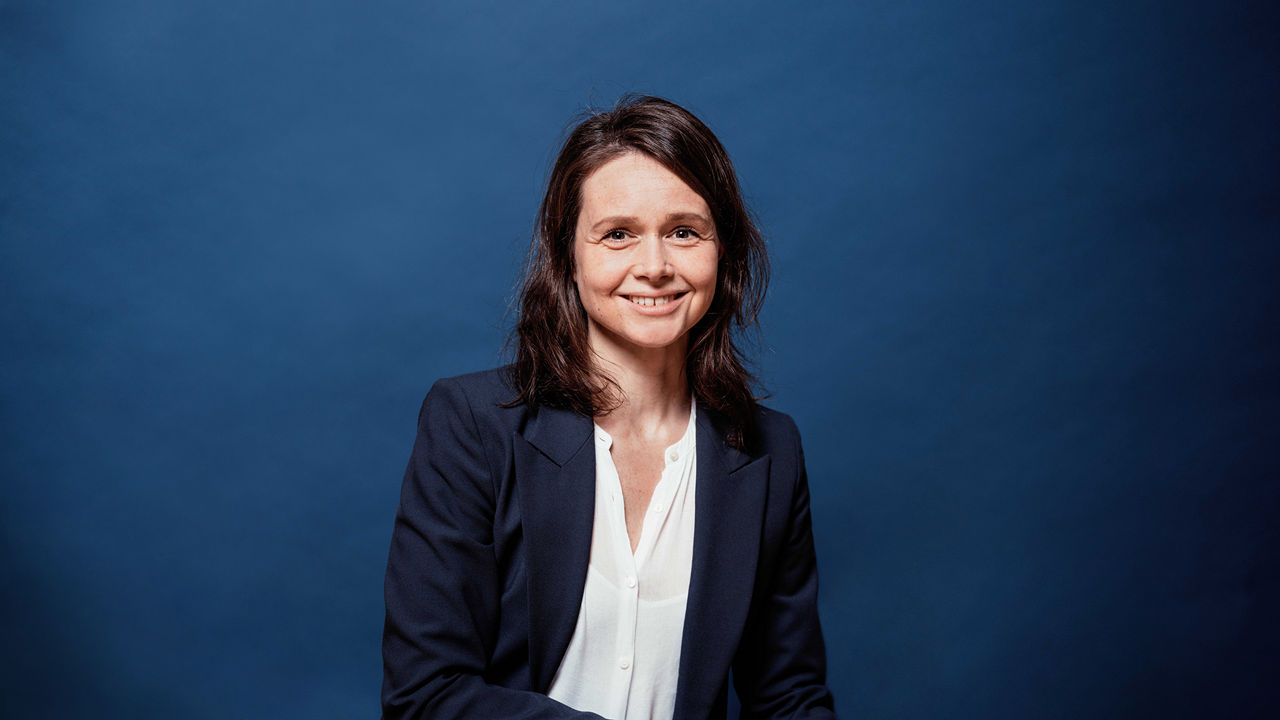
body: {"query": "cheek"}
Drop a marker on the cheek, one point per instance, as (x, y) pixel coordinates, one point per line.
(587, 276)
(709, 268)
(600, 273)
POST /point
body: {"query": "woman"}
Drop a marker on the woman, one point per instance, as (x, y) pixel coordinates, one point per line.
(606, 527)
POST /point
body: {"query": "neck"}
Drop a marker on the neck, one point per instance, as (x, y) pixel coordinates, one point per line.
(655, 390)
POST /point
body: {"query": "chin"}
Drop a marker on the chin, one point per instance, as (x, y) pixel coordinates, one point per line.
(644, 335)
(649, 340)
(653, 338)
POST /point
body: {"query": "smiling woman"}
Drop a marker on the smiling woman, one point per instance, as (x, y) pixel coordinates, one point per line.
(645, 255)
(609, 525)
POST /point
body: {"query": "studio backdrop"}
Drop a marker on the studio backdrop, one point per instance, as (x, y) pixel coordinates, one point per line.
(1023, 309)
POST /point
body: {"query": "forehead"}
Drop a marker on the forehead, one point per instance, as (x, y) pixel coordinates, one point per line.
(636, 184)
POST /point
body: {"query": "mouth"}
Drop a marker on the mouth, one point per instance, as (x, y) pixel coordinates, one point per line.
(651, 301)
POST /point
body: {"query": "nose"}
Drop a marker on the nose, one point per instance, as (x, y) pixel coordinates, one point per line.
(652, 260)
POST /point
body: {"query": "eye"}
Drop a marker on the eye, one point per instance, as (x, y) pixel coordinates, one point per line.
(617, 238)
(685, 233)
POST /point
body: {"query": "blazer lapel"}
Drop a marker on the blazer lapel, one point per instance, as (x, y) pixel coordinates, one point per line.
(556, 469)
(730, 499)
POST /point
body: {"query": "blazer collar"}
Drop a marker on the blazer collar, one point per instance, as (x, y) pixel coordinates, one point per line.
(556, 482)
(558, 434)
(730, 501)
(555, 471)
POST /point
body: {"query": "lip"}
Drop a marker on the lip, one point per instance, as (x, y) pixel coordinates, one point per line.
(677, 299)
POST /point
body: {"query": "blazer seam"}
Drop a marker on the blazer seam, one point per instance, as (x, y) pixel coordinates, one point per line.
(797, 477)
(799, 456)
(484, 450)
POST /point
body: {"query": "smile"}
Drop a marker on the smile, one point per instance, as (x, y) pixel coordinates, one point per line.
(652, 301)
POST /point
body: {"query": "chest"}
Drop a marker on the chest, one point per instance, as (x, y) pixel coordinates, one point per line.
(639, 465)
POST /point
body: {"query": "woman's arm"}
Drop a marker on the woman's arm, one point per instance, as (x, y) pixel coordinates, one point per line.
(442, 585)
(781, 668)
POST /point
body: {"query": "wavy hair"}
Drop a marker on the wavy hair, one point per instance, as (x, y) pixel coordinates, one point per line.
(553, 365)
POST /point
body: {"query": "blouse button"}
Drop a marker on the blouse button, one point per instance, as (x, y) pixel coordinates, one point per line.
(631, 582)
(624, 663)
(674, 455)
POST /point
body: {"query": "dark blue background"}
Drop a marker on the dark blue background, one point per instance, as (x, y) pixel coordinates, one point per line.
(1024, 311)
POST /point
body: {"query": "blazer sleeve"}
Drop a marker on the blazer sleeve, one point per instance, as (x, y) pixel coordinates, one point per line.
(781, 669)
(442, 584)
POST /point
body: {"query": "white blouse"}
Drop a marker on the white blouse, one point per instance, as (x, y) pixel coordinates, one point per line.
(624, 658)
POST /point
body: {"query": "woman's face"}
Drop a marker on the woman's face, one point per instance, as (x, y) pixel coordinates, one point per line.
(645, 256)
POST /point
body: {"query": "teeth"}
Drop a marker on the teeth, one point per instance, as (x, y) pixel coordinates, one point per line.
(648, 301)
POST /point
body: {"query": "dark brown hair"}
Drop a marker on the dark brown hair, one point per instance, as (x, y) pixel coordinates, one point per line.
(553, 364)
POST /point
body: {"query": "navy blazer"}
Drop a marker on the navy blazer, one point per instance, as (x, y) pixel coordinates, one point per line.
(489, 558)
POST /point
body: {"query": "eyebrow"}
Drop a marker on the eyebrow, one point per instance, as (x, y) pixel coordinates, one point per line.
(630, 220)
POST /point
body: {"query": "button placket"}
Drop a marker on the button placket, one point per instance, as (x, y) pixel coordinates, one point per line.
(631, 644)
(659, 504)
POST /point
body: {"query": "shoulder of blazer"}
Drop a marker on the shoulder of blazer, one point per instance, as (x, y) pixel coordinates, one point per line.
(777, 430)
(556, 433)
(484, 395)
(775, 435)
(484, 388)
